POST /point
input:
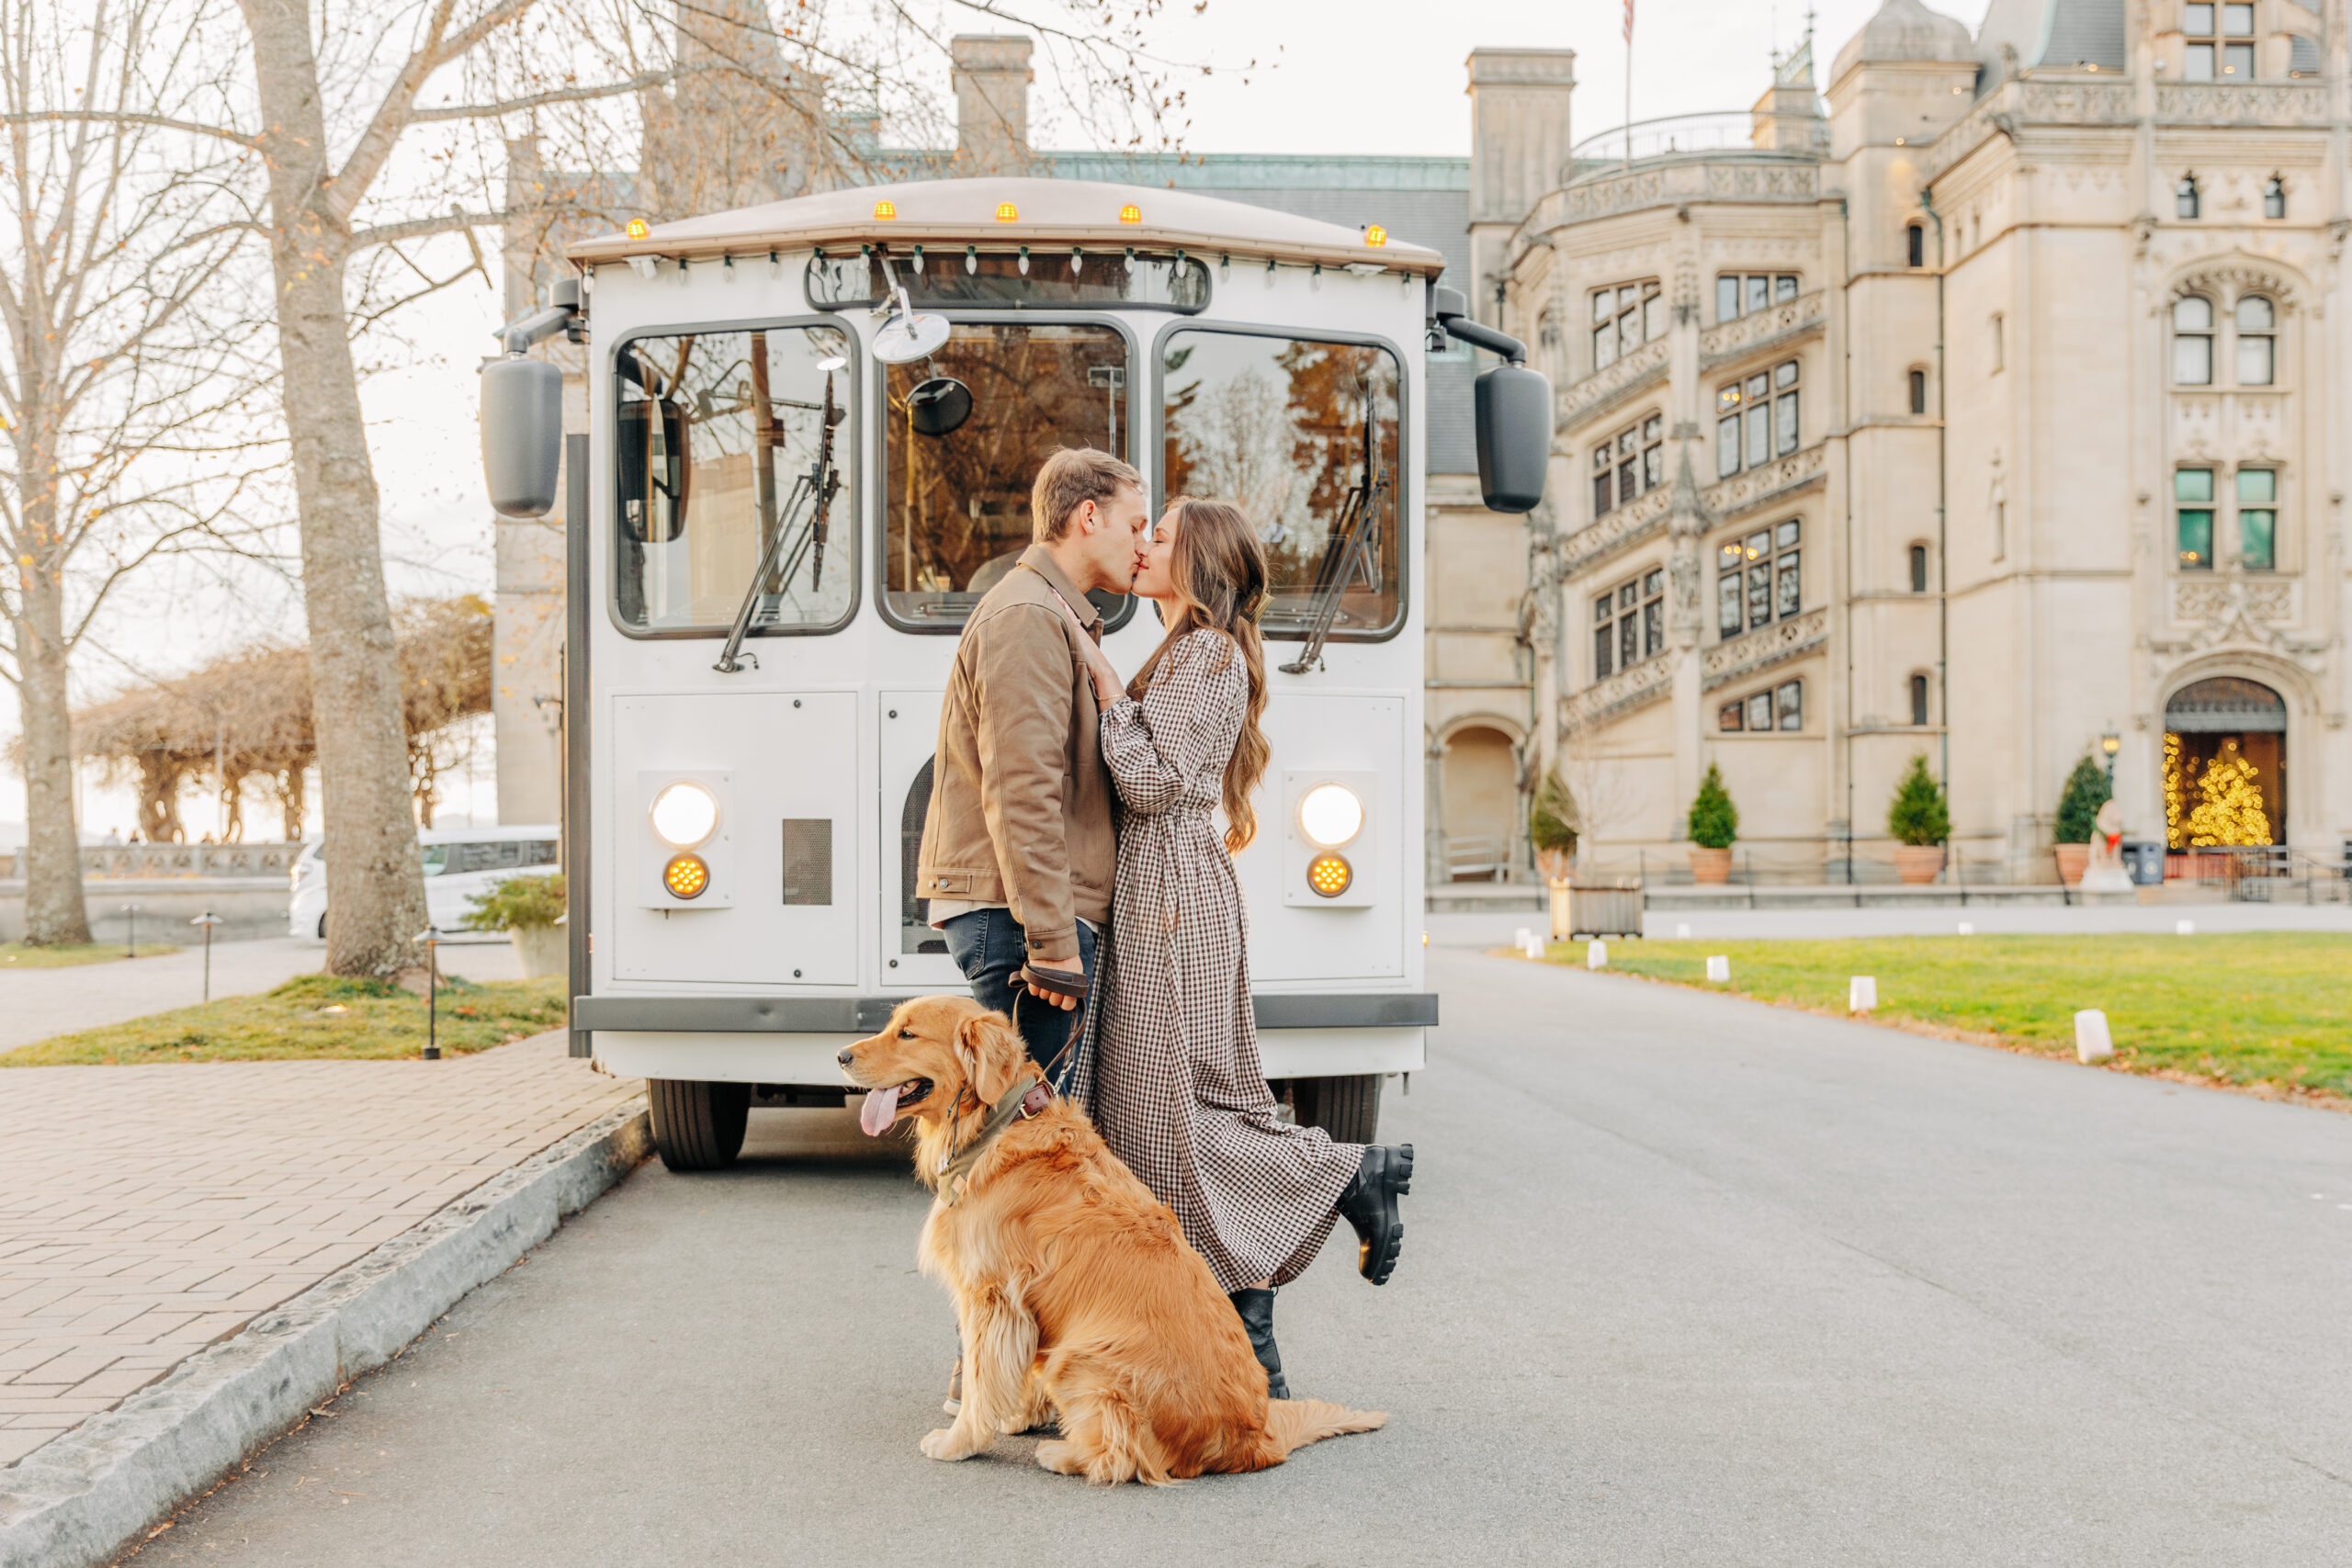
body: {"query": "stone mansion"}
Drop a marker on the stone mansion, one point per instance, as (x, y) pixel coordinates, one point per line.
(1999, 415)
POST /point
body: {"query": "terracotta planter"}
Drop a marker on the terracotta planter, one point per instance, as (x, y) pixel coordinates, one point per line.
(2072, 858)
(541, 950)
(1710, 868)
(1917, 865)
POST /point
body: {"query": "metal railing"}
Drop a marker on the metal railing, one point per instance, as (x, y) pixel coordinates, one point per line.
(1710, 132)
(2277, 873)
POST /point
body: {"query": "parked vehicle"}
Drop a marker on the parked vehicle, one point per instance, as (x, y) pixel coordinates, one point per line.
(461, 864)
(809, 453)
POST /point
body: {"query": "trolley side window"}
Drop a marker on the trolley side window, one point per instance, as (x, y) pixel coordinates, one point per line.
(1302, 435)
(734, 446)
(966, 430)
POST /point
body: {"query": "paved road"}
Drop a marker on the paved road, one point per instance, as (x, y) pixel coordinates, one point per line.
(38, 1003)
(1686, 1281)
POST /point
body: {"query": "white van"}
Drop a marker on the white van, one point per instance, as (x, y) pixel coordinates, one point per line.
(460, 865)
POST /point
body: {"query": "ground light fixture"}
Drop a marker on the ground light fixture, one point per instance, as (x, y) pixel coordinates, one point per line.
(1329, 814)
(685, 814)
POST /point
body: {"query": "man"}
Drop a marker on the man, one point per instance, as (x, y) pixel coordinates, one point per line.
(1020, 847)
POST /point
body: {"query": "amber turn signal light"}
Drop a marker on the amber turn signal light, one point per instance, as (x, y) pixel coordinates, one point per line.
(685, 877)
(1329, 875)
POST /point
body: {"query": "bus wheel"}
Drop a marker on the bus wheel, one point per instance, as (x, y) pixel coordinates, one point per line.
(698, 1126)
(1348, 1108)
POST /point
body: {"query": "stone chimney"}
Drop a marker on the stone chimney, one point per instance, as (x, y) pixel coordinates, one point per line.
(1518, 151)
(991, 75)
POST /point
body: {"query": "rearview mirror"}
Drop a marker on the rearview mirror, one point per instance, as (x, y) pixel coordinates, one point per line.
(522, 434)
(1514, 424)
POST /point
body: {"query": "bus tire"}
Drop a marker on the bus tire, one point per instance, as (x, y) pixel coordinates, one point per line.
(1348, 1108)
(698, 1126)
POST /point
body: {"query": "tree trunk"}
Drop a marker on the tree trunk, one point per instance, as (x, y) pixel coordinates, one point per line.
(55, 915)
(375, 880)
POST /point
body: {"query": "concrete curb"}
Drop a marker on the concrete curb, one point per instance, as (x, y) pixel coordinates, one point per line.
(76, 1501)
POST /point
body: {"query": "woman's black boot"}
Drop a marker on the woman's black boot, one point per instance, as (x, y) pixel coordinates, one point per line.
(1369, 1205)
(1257, 1310)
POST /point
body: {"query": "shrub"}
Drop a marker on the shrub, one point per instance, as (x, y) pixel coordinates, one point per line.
(2086, 790)
(1917, 816)
(519, 901)
(1551, 820)
(1714, 820)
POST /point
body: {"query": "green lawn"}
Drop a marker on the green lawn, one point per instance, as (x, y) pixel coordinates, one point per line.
(2270, 1007)
(312, 1018)
(17, 955)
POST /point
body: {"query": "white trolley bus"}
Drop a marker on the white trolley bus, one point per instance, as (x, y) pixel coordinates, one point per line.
(813, 427)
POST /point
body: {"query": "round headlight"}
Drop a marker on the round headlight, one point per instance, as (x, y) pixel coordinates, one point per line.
(1329, 814)
(685, 877)
(685, 814)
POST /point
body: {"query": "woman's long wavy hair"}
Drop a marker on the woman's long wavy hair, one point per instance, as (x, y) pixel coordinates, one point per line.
(1220, 575)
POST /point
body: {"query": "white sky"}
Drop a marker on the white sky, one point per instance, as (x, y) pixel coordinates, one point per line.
(1367, 76)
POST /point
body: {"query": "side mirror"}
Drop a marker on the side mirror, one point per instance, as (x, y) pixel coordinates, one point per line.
(522, 434)
(1514, 422)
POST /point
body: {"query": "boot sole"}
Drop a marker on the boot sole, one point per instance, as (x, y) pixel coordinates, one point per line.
(1376, 1263)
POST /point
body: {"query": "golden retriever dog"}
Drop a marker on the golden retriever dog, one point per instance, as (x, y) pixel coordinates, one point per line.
(1075, 1290)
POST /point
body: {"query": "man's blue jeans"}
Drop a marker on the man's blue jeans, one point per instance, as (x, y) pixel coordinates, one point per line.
(990, 947)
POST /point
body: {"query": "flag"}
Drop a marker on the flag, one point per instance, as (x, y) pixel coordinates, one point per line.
(1629, 23)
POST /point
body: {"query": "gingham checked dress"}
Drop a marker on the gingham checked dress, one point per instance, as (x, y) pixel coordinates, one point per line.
(1173, 1081)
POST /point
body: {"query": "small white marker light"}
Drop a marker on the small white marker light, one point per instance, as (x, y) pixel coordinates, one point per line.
(2092, 1041)
(2184, 928)
(1520, 937)
(1596, 954)
(1682, 930)
(1861, 993)
(1968, 928)
(1719, 968)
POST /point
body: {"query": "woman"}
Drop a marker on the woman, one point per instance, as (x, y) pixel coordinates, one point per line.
(1173, 1081)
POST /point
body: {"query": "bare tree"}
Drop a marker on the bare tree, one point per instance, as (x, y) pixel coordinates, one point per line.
(118, 386)
(336, 95)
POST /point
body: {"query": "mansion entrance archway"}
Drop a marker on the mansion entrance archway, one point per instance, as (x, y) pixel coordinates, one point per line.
(2225, 764)
(1481, 807)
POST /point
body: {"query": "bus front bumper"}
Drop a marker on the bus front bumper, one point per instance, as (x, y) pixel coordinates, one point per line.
(796, 1039)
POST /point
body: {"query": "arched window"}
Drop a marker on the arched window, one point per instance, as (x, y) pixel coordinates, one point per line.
(1920, 699)
(2257, 349)
(1915, 246)
(2274, 197)
(1918, 568)
(2184, 196)
(2192, 340)
(1919, 391)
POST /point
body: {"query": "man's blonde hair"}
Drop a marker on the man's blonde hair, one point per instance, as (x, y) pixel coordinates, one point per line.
(1071, 478)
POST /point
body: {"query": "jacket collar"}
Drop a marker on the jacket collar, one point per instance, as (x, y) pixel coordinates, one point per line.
(1038, 560)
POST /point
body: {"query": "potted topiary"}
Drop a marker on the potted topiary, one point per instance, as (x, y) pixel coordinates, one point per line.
(2086, 790)
(527, 909)
(1920, 823)
(1551, 827)
(1715, 823)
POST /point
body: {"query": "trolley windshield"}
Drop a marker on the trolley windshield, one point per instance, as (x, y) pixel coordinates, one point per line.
(727, 440)
(1302, 435)
(967, 429)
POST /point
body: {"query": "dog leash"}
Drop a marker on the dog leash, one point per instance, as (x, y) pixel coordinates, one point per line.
(1027, 1098)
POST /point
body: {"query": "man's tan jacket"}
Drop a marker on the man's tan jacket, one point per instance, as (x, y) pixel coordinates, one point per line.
(1020, 799)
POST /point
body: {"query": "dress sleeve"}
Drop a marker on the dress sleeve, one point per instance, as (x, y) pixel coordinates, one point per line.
(1154, 748)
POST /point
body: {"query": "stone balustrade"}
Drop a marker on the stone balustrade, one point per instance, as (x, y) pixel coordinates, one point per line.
(1766, 483)
(1604, 389)
(146, 862)
(1735, 658)
(1787, 321)
(1626, 527)
(1633, 687)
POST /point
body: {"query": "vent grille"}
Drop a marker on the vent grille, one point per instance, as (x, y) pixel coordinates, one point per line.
(807, 859)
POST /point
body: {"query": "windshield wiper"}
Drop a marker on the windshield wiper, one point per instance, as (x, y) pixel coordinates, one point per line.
(813, 489)
(1345, 555)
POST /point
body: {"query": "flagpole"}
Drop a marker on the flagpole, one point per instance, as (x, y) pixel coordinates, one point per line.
(1629, 86)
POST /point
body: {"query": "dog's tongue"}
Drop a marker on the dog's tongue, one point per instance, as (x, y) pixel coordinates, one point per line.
(881, 1108)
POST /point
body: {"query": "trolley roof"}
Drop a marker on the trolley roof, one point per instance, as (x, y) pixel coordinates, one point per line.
(1003, 213)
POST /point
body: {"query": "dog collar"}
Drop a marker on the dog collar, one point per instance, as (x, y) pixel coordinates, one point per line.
(1027, 1098)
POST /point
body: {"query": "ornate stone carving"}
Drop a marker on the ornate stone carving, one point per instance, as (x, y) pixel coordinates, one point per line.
(2263, 104)
(2223, 601)
(1761, 486)
(1618, 530)
(1636, 687)
(1751, 177)
(1737, 658)
(1603, 388)
(2229, 279)
(1790, 319)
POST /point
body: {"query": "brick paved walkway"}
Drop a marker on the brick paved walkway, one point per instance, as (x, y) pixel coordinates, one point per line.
(148, 1212)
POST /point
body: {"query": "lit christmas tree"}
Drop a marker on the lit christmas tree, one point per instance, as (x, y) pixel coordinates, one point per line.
(2228, 808)
(2175, 793)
